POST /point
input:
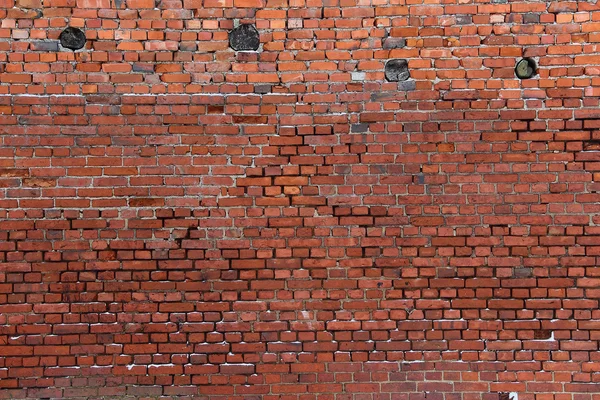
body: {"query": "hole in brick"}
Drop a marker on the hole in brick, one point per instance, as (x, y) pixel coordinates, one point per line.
(244, 38)
(72, 38)
(525, 68)
(592, 145)
(396, 70)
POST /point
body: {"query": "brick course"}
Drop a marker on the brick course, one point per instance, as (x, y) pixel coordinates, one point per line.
(180, 220)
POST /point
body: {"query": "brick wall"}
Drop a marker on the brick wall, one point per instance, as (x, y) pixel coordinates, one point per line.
(179, 219)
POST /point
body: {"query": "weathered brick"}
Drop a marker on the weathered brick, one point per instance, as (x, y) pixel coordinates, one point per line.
(179, 219)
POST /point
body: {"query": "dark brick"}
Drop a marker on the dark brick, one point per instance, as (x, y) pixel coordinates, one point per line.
(141, 67)
(531, 18)
(44, 46)
(394, 43)
(360, 128)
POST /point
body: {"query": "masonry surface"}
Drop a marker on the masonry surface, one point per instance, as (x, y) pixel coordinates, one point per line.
(182, 220)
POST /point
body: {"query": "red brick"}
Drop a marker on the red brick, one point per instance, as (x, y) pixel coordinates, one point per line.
(178, 218)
